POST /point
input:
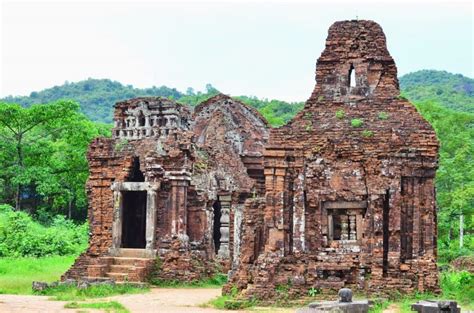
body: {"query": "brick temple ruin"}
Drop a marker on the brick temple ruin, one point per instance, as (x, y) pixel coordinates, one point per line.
(341, 196)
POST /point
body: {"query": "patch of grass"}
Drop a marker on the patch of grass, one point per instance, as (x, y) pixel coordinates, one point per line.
(340, 114)
(120, 145)
(17, 274)
(71, 293)
(229, 302)
(378, 307)
(458, 285)
(282, 290)
(367, 133)
(217, 280)
(312, 292)
(357, 122)
(219, 302)
(110, 306)
(383, 116)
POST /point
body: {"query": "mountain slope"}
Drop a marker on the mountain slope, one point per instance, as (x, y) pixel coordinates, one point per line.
(96, 96)
(453, 91)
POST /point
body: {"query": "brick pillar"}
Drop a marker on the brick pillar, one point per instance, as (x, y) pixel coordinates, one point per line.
(150, 220)
(179, 197)
(117, 221)
(274, 211)
(225, 221)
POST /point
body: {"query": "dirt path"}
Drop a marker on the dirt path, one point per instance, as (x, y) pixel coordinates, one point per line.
(157, 300)
(170, 300)
(30, 304)
(392, 308)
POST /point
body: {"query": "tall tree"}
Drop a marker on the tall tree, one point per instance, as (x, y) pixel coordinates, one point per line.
(40, 144)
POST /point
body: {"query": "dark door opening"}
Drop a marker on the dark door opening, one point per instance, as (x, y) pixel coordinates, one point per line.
(217, 226)
(134, 219)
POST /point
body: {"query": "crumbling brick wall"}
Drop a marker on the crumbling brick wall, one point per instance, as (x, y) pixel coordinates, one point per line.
(349, 182)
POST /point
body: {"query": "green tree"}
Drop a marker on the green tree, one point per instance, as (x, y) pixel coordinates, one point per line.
(455, 176)
(43, 154)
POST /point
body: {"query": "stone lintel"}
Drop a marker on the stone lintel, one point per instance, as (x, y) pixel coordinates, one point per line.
(135, 186)
(345, 204)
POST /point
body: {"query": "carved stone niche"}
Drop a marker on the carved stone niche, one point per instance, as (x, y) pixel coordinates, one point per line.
(344, 221)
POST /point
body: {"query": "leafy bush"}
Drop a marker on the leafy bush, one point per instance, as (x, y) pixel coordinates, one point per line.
(357, 122)
(21, 236)
(455, 285)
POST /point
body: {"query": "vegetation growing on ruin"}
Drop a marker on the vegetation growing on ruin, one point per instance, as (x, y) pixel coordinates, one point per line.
(367, 133)
(340, 114)
(357, 122)
(383, 115)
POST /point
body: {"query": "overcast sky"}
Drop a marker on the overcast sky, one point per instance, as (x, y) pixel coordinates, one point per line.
(261, 48)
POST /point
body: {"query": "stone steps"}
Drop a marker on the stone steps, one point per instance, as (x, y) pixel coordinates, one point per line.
(119, 282)
(131, 265)
(131, 261)
(133, 253)
(119, 268)
(118, 276)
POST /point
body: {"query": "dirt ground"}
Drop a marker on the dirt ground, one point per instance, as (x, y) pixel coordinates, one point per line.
(157, 300)
(160, 300)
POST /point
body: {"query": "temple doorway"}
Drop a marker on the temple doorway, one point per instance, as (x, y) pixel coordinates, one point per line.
(217, 226)
(134, 219)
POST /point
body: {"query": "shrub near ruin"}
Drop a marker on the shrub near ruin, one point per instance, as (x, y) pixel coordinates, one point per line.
(21, 236)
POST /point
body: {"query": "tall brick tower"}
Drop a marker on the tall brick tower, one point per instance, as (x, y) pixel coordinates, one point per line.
(350, 196)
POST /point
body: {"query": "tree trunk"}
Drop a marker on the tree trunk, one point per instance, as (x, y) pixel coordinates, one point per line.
(19, 150)
(18, 198)
(461, 230)
(69, 212)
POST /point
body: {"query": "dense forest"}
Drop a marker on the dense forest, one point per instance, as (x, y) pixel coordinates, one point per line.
(97, 97)
(44, 138)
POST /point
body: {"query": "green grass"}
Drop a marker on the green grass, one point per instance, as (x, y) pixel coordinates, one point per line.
(367, 133)
(110, 306)
(378, 307)
(357, 122)
(17, 274)
(218, 302)
(217, 280)
(340, 114)
(455, 285)
(71, 293)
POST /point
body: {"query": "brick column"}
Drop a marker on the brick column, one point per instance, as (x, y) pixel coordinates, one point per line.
(179, 197)
(117, 221)
(225, 221)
